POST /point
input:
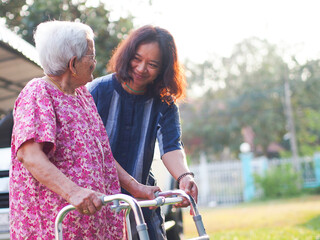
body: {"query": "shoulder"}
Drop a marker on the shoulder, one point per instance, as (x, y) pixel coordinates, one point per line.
(36, 83)
(33, 88)
(167, 107)
(36, 95)
(83, 90)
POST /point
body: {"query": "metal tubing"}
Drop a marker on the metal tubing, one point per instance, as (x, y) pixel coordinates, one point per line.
(162, 199)
(129, 203)
(58, 223)
(159, 201)
(205, 237)
(184, 195)
(199, 224)
(127, 213)
(196, 216)
(141, 225)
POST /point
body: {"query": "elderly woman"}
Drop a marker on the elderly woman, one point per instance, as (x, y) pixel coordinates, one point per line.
(137, 106)
(60, 149)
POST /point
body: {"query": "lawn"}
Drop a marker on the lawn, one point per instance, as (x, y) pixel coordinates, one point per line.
(295, 219)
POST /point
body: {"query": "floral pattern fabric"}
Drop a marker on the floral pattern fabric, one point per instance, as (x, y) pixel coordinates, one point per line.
(76, 142)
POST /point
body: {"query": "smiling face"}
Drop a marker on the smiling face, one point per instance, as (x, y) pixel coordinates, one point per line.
(145, 65)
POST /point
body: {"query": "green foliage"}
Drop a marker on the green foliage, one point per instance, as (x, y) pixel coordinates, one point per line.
(313, 224)
(309, 131)
(312, 191)
(279, 181)
(240, 91)
(305, 86)
(246, 90)
(107, 34)
(10, 9)
(285, 154)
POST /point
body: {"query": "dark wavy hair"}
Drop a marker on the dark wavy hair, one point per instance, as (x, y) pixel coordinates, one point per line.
(170, 84)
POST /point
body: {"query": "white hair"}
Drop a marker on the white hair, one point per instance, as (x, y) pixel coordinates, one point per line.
(58, 41)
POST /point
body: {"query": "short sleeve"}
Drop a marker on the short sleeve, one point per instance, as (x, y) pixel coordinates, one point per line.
(34, 117)
(169, 130)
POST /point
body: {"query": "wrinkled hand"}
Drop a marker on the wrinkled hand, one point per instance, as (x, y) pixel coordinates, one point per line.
(146, 192)
(188, 185)
(86, 201)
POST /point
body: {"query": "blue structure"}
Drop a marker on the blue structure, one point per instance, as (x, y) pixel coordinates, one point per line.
(316, 160)
(249, 189)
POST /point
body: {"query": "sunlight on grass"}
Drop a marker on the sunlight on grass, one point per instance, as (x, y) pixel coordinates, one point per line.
(313, 224)
(286, 233)
(297, 218)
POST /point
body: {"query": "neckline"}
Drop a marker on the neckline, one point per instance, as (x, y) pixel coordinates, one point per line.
(56, 88)
(53, 83)
(139, 92)
(118, 87)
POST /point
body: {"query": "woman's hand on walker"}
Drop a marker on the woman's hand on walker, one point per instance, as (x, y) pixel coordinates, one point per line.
(86, 201)
(146, 192)
(188, 185)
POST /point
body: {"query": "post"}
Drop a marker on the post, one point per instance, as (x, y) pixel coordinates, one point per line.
(290, 121)
(204, 179)
(316, 160)
(249, 189)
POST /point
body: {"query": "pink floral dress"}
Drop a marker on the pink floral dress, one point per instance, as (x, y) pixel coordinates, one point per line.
(77, 144)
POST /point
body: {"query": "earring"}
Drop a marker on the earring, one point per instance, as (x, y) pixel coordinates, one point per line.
(74, 74)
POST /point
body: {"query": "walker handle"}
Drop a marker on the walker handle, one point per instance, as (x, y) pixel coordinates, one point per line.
(141, 225)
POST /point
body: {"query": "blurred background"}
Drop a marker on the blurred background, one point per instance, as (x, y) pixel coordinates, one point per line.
(251, 120)
(252, 66)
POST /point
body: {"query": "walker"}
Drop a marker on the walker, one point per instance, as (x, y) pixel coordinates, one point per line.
(123, 201)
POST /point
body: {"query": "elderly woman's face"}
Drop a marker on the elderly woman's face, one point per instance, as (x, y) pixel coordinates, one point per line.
(146, 64)
(86, 65)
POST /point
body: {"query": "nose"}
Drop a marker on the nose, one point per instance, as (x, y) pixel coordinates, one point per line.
(142, 67)
(93, 67)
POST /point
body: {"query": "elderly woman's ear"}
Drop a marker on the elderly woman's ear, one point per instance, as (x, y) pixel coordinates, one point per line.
(72, 64)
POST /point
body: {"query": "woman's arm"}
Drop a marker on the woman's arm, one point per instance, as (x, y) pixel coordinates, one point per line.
(175, 162)
(137, 189)
(31, 155)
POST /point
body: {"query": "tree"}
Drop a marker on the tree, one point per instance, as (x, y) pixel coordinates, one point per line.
(23, 19)
(305, 81)
(10, 9)
(251, 95)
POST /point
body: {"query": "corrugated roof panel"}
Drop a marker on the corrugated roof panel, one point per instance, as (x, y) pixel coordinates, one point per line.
(17, 43)
(18, 64)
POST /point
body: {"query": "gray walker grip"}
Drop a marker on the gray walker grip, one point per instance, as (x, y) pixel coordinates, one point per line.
(196, 216)
(143, 231)
(199, 224)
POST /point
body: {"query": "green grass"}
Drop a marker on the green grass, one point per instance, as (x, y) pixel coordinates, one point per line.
(296, 219)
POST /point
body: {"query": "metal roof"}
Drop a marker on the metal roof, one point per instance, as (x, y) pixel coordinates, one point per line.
(18, 64)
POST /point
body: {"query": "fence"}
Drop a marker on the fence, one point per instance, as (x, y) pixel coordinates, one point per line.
(231, 182)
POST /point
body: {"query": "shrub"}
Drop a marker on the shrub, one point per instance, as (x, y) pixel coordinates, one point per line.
(279, 181)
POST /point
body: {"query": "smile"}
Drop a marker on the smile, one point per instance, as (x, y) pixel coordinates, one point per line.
(138, 76)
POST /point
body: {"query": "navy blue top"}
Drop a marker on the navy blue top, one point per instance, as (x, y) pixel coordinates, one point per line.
(133, 123)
